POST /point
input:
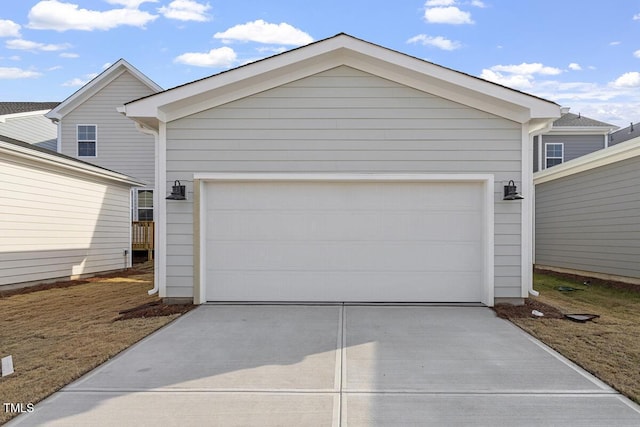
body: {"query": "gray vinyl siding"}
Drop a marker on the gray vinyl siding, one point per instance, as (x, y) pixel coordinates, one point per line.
(574, 145)
(34, 129)
(590, 221)
(56, 223)
(343, 120)
(120, 147)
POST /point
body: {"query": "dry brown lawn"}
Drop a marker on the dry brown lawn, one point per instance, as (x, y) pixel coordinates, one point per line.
(59, 332)
(608, 347)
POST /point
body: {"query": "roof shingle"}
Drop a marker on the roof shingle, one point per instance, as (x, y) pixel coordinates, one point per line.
(578, 120)
(25, 107)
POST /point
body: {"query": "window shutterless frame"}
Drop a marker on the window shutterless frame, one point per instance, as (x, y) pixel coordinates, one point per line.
(553, 154)
(87, 140)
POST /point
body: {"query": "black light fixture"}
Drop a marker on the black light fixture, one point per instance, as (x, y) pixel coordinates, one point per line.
(511, 192)
(178, 192)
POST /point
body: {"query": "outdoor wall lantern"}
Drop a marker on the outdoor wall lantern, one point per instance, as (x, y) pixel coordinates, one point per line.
(178, 192)
(511, 192)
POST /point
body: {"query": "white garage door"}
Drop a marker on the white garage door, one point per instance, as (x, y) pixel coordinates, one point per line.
(344, 241)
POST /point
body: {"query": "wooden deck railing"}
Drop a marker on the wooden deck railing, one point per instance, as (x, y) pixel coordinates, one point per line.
(142, 233)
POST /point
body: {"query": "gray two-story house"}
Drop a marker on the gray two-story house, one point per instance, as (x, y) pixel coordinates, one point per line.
(91, 129)
(571, 136)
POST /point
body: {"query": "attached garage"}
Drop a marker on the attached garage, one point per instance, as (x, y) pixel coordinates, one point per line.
(343, 171)
(346, 238)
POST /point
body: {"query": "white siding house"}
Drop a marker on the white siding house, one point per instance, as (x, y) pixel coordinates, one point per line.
(344, 171)
(91, 129)
(60, 218)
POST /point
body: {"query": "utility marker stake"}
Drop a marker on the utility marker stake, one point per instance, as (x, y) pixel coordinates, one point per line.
(7, 366)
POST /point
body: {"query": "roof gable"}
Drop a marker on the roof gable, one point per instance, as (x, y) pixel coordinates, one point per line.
(97, 84)
(323, 55)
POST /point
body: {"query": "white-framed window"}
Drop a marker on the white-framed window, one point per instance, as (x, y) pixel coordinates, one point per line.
(87, 140)
(143, 205)
(553, 154)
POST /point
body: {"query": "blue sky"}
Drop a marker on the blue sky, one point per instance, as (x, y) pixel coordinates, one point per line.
(580, 54)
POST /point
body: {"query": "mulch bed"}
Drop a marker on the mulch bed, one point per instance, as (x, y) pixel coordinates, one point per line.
(154, 309)
(509, 311)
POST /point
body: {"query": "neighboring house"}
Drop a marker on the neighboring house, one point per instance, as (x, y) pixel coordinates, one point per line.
(26, 121)
(571, 136)
(587, 214)
(621, 135)
(91, 129)
(60, 218)
(344, 171)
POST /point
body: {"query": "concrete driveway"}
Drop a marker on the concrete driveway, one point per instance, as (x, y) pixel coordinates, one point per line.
(331, 365)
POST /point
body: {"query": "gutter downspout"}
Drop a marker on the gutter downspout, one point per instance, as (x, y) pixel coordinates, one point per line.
(147, 131)
(538, 133)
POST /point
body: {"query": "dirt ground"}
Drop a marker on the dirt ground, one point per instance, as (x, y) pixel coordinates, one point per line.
(607, 346)
(57, 332)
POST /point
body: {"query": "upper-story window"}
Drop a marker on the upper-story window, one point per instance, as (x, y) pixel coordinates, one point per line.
(553, 154)
(87, 140)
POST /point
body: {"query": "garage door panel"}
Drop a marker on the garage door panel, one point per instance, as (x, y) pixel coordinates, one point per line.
(340, 195)
(344, 241)
(345, 286)
(370, 226)
(348, 256)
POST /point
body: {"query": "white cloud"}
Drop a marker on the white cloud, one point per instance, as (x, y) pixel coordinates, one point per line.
(432, 3)
(447, 15)
(131, 4)
(58, 16)
(438, 41)
(520, 76)
(56, 67)
(69, 55)
(515, 81)
(636, 17)
(9, 28)
(527, 69)
(186, 10)
(575, 67)
(7, 73)
(223, 57)
(627, 80)
(271, 49)
(601, 101)
(263, 32)
(20, 44)
(81, 81)
(478, 3)
(615, 43)
(637, 53)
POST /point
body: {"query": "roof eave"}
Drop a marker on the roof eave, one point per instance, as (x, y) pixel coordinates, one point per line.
(603, 157)
(330, 53)
(55, 159)
(98, 83)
